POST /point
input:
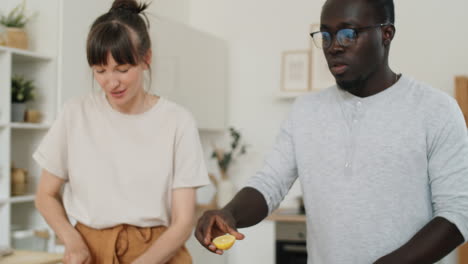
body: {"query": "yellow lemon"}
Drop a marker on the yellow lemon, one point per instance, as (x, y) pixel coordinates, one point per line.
(224, 242)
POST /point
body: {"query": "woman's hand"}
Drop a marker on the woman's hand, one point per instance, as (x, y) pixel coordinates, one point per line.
(49, 203)
(77, 253)
(140, 260)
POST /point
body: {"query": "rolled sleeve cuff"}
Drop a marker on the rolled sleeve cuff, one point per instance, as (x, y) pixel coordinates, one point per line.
(461, 222)
(265, 191)
(43, 163)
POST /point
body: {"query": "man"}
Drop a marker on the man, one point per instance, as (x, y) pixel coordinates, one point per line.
(382, 158)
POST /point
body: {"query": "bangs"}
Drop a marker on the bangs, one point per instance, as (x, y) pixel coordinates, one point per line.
(111, 38)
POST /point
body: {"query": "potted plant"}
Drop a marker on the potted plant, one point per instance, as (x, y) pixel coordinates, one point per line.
(14, 22)
(224, 158)
(22, 91)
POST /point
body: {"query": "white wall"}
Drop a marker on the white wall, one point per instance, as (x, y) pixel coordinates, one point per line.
(176, 10)
(431, 42)
(75, 75)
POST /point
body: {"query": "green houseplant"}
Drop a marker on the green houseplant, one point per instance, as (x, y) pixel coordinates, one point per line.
(16, 18)
(225, 187)
(22, 91)
(15, 21)
(225, 157)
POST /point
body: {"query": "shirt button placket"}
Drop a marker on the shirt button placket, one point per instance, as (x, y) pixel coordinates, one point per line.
(355, 121)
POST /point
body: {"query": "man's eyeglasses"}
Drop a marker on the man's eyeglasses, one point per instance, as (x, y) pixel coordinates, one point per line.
(345, 37)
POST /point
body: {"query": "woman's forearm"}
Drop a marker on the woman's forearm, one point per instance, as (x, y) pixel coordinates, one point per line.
(166, 246)
(183, 216)
(51, 208)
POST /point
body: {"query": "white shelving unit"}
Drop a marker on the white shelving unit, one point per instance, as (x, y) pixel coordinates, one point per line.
(19, 140)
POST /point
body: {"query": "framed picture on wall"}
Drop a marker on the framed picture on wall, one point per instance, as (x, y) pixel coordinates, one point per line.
(295, 71)
(321, 76)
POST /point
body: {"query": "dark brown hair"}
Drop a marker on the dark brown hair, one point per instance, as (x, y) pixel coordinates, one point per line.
(122, 32)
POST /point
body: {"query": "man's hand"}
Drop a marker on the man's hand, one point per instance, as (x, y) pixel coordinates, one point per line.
(215, 223)
(391, 259)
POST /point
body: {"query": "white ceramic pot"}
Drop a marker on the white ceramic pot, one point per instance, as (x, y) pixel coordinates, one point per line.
(226, 191)
(17, 112)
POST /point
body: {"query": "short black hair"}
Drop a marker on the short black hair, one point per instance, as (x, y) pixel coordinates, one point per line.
(385, 10)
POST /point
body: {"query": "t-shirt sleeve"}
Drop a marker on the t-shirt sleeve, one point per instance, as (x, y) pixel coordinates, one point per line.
(448, 165)
(279, 170)
(52, 153)
(189, 164)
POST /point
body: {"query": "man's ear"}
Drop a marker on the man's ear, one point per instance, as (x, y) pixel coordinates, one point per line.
(388, 34)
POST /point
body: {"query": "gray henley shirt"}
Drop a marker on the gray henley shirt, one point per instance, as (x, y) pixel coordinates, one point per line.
(373, 170)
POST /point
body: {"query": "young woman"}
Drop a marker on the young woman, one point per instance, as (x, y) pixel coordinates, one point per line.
(129, 161)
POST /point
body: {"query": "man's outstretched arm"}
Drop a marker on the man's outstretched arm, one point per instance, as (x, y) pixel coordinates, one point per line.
(263, 193)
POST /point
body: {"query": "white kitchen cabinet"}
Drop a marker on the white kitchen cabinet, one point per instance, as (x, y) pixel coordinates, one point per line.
(202, 256)
(257, 247)
(189, 67)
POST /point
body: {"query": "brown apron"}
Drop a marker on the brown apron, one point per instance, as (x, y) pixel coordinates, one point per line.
(123, 244)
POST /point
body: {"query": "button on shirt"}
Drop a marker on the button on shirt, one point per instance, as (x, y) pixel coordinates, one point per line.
(373, 170)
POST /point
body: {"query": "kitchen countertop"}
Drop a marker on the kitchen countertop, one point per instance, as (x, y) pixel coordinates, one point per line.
(31, 257)
(280, 215)
(287, 215)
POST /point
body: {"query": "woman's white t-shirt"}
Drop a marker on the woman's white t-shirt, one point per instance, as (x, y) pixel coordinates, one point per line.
(119, 168)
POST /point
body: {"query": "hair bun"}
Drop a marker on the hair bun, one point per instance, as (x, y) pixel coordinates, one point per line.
(128, 5)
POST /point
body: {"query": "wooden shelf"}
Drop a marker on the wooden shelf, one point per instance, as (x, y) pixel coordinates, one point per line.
(287, 215)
